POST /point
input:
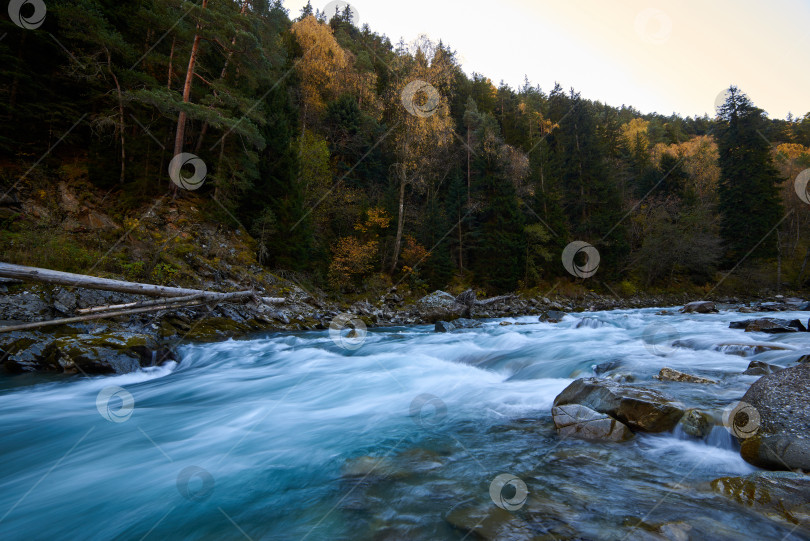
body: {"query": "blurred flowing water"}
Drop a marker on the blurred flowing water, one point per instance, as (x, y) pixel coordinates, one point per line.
(290, 436)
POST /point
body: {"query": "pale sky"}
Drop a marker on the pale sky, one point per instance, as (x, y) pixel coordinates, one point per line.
(660, 56)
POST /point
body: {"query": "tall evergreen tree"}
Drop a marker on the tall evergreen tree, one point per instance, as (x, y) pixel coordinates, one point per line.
(749, 183)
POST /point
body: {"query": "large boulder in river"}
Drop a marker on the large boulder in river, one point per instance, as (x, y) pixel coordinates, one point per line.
(643, 410)
(700, 307)
(440, 306)
(580, 422)
(777, 420)
(782, 496)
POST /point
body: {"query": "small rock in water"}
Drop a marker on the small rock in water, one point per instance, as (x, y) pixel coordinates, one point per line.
(506, 323)
(577, 421)
(759, 368)
(552, 316)
(700, 307)
(443, 326)
(668, 374)
(696, 423)
(643, 410)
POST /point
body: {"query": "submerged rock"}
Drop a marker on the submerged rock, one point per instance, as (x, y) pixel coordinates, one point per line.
(782, 496)
(643, 410)
(668, 374)
(577, 421)
(700, 307)
(779, 420)
(591, 323)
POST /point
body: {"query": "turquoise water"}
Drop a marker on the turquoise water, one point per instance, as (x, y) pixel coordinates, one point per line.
(293, 437)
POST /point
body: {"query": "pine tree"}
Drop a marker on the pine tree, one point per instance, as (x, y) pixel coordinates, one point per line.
(749, 183)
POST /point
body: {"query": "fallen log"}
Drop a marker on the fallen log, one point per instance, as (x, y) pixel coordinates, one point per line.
(46, 276)
(103, 315)
(239, 296)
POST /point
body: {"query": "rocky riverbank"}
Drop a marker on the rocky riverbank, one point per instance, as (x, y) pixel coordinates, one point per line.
(125, 344)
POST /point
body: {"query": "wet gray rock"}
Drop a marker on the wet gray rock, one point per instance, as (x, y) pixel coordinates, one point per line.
(110, 353)
(439, 306)
(643, 410)
(580, 422)
(668, 374)
(696, 423)
(759, 368)
(780, 421)
(769, 325)
(552, 316)
(443, 326)
(700, 307)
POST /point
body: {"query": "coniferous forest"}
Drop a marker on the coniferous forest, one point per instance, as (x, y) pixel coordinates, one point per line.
(359, 162)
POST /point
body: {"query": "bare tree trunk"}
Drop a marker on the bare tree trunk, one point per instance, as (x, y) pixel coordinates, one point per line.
(47, 276)
(171, 60)
(400, 224)
(804, 266)
(778, 262)
(120, 114)
(468, 167)
(192, 61)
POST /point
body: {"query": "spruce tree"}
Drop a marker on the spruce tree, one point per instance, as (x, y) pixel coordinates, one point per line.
(749, 183)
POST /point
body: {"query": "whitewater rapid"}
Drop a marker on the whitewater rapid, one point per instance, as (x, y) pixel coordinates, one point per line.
(277, 437)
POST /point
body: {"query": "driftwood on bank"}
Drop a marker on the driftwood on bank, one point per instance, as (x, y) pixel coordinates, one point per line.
(202, 297)
(46, 276)
(101, 315)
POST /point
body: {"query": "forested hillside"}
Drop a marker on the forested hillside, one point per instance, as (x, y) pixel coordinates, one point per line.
(362, 163)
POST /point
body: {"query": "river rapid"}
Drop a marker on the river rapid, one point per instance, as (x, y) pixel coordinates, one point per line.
(291, 436)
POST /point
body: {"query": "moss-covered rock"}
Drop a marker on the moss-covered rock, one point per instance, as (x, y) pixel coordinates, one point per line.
(110, 353)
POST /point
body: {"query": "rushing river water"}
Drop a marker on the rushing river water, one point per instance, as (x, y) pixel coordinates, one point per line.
(291, 437)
